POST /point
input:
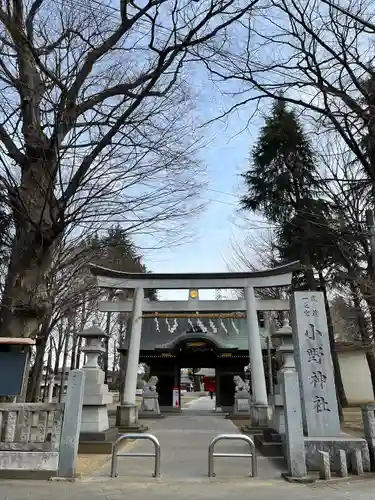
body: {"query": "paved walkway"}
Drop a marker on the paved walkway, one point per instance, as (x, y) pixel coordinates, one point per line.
(200, 405)
(184, 440)
(216, 490)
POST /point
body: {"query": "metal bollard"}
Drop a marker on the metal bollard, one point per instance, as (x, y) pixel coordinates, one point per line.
(234, 437)
(149, 437)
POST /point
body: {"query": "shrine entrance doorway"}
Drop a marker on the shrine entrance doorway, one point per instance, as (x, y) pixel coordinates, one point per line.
(196, 351)
(201, 399)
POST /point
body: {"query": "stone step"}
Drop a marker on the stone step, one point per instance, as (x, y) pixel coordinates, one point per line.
(252, 430)
(268, 448)
(150, 415)
(272, 435)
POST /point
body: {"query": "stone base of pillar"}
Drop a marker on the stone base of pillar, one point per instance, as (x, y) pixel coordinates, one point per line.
(127, 419)
(278, 420)
(260, 415)
(311, 478)
(97, 442)
(241, 407)
(107, 435)
(150, 406)
(94, 419)
(278, 417)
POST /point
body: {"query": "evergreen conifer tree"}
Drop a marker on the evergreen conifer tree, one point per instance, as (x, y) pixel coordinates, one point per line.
(283, 167)
(282, 184)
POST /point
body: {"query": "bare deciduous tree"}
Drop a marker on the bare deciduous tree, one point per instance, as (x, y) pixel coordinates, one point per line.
(318, 56)
(87, 94)
(256, 252)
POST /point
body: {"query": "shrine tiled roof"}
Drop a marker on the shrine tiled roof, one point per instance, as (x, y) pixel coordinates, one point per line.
(162, 333)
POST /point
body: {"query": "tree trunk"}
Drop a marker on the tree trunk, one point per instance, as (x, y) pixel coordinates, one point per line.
(25, 304)
(33, 392)
(36, 218)
(309, 272)
(106, 347)
(368, 296)
(341, 396)
(120, 365)
(121, 375)
(48, 374)
(60, 346)
(106, 340)
(78, 356)
(370, 356)
(361, 321)
(115, 360)
(65, 359)
(81, 326)
(371, 364)
(75, 338)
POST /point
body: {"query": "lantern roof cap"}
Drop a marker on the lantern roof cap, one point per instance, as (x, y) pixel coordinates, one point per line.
(93, 331)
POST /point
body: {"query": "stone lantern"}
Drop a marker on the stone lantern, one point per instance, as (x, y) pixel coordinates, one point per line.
(282, 340)
(95, 435)
(93, 345)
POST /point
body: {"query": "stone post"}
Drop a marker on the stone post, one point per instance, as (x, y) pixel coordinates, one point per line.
(295, 442)
(260, 410)
(95, 436)
(282, 339)
(71, 425)
(368, 417)
(287, 414)
(127, 412)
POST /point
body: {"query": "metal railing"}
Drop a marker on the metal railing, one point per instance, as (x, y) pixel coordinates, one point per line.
(234, 437)
(148, 437)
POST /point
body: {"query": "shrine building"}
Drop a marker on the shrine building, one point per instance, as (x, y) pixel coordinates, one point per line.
(167, 345)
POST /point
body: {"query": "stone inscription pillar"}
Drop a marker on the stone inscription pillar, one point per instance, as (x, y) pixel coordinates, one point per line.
(314, 364)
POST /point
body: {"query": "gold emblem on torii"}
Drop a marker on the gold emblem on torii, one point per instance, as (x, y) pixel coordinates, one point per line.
(194, 295)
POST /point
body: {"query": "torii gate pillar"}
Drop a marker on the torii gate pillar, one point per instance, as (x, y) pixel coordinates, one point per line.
(127, 411)
(260, 410)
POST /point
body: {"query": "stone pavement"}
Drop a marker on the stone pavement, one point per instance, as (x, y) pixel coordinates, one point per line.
(200, 405)
(184, 442)
(214, 490)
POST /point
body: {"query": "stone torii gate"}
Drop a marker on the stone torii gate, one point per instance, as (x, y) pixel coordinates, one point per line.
(139, 306)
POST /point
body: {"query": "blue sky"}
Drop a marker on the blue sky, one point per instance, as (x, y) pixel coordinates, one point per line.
(225, 157)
